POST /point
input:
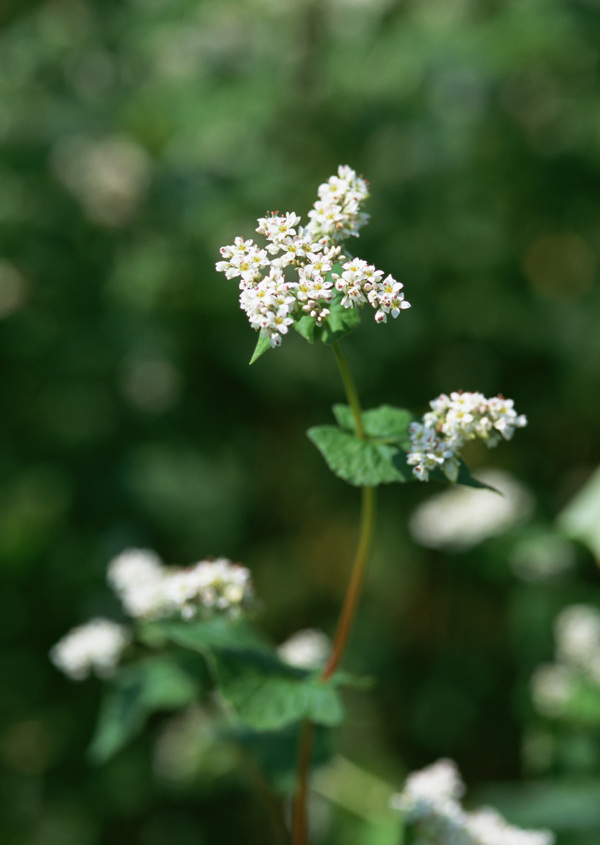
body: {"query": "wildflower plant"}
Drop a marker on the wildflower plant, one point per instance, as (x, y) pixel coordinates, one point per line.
(191, 634)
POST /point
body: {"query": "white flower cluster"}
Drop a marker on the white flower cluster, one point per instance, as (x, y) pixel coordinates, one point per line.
(452, 422)
(577, 636)
(431, 801)
(336, 214)
(273, 296)
(96, 646)
(147, 589)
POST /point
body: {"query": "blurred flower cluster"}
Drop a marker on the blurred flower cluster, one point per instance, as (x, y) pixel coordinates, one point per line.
(149, 590)
(572, 682)
(431, 802)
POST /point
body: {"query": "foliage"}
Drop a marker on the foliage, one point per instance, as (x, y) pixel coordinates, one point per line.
(131, 418)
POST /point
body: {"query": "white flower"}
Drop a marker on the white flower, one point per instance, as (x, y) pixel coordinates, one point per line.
(136, 576)
(307, 649)
(487, 827)
(577, 631)
(291, 277)
(96, 646)
(461, 517)
(453, 421)
(431, 801)
(336, 214)
(149, 590)
(206, 586)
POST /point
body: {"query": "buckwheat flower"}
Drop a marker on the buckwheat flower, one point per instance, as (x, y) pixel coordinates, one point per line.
(429, 789)
(487, 827)
(242, 258)
(386, 296)
(455, 420)
(306, 649)
(137, 576)
(336, 214)
(94, 647)
(461, 517)
(429, 452)
(431, 802)
(210, 585)
(278, 229)
(292, 277)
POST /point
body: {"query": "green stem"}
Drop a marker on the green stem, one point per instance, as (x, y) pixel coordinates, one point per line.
(350, 388)
(346, 619)
(367, 524)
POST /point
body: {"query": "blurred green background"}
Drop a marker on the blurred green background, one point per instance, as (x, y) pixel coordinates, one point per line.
(136, 138)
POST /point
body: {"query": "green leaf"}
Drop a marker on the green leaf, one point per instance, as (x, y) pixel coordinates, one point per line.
(383, 423)
(307, 327)
(136, 692)
(263, 344)
(340, 322)
(217, 632)
(267, 694)
(357, 461)
(464, 477)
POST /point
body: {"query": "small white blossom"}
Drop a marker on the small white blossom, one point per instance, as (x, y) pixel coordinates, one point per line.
(94, 647)
(307, 649)
(431, 802)
(487, 827)
(453, 421)
(137, 576)
(206, 586)
(150, 590)
(336, 214)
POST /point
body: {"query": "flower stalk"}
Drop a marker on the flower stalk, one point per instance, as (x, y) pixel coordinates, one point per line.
(348, 612)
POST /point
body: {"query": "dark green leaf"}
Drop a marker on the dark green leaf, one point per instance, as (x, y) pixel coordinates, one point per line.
(267, 694)
(307, 327)
(464, 477)
(137, 691)
(340, 322)
(263, 344)
(383, 423)
(216, 632)
(358, 461)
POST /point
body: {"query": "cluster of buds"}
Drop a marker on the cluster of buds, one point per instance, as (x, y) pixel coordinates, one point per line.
(453, 421)
(293, 275)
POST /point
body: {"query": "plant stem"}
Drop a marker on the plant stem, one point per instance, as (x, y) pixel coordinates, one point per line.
(299, 810)
(350, 388)
(367, 523)
(346, 619)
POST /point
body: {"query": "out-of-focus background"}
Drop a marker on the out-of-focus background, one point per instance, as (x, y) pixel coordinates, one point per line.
(136, 138)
